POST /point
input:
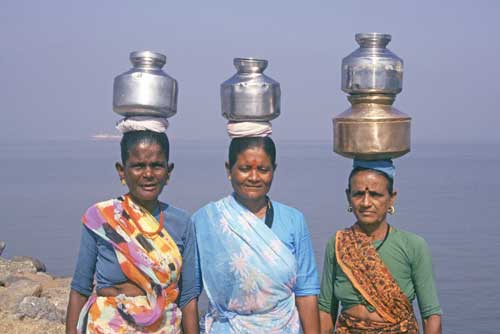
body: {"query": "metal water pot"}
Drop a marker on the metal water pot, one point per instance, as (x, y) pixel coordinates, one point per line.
(372, 128)
(249, 95)
(145, 90)
(372, 68)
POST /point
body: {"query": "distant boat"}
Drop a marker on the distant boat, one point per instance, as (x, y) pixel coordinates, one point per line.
(105, 136)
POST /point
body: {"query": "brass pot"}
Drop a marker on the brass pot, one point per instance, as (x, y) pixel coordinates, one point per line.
(371, 129)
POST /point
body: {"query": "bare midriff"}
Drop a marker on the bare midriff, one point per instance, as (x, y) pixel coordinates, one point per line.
(128, 289)
(361, 312)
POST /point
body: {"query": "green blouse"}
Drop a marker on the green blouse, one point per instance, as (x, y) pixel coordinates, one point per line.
(408, 259)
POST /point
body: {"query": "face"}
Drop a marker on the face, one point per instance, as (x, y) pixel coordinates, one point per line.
(369, 197)
(145, 172)
(252, 174)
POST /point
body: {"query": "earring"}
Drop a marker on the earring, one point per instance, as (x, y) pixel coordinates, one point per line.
(349, 208)
(123, 182)
(391, 210)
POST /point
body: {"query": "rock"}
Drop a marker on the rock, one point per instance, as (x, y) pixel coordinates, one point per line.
(39, 308)
(45, 276)
(2, 246)
(8, 268)
(11, 296)
(59, 297)
(36, 263)
(9, 324)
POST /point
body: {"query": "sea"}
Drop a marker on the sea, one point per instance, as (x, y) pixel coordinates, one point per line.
(448, 193)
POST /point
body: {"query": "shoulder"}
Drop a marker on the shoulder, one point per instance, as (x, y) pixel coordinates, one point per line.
(413, 245)
(179, 216)
(410, 239)
(208, 209)
(287, 211)
(175, 211)
(98, 205)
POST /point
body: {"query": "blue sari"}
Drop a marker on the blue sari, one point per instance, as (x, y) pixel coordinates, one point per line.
(248, 273)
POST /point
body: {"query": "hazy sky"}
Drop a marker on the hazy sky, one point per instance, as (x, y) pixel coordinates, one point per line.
(58, 60)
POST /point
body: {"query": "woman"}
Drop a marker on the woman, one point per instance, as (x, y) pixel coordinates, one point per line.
(141, 251)
(256, 257)
(374, 270)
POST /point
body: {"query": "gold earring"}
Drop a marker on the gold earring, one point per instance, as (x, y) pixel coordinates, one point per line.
(391, 210)
(349, 208)
(123, 182)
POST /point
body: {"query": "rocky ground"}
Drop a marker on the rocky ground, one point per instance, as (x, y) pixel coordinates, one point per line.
(31, 300)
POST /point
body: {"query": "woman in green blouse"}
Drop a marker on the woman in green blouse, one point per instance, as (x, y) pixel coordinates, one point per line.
(373, 271)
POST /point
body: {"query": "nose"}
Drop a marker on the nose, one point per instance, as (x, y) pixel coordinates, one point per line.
(253, 175)
(366, 202)
(148, 172)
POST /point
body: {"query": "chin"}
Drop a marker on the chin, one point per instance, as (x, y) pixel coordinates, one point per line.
(252, 196)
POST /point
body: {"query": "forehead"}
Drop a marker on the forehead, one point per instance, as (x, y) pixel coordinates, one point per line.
(145, 150)
(368, 180)
(254, 154)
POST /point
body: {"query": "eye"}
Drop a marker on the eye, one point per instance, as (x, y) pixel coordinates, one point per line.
(244, 168)
(158, 165)
(137, 166)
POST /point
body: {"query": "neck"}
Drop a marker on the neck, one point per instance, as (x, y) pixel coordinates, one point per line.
(256, 206)
(377, 231)
(151, 206)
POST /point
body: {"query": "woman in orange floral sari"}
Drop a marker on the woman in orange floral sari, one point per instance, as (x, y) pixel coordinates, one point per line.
(140, 252)
(373, 271)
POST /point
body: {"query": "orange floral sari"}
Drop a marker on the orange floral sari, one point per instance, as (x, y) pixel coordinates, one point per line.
(153, 262)
(359, 260)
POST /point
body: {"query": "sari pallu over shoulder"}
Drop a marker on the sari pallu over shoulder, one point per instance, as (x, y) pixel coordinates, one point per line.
(248, 273)
(360, 262)
(152, 262)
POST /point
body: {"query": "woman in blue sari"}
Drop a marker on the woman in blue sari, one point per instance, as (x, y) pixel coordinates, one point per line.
(256, 256)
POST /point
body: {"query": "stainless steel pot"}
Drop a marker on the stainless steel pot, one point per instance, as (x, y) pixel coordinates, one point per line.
(372, 128)
(249, 95)
(372, 68)
(145, 90)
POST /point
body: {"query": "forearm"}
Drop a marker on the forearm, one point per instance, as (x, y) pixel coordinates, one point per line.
(190, 317)
(326, 323)
(308, 313)
(432, 325)
(75, 305)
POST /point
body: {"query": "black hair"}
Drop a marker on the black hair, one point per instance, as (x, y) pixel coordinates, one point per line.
(132, 138)
(390, 180)
(239, 145)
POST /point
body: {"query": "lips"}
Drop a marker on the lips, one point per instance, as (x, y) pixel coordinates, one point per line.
(253, 187)
(367, 213)
(148, 187)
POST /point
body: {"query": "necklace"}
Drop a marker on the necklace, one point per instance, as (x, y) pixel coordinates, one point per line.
(385, 238)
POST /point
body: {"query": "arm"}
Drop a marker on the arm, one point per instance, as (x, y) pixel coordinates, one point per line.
(307, 285)
(83, 277)
(190, 282)
(326, 322)
(308, 313)
(424, 283)
(75, 305)
(328, 304)
(432, 325)
(190, 317)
